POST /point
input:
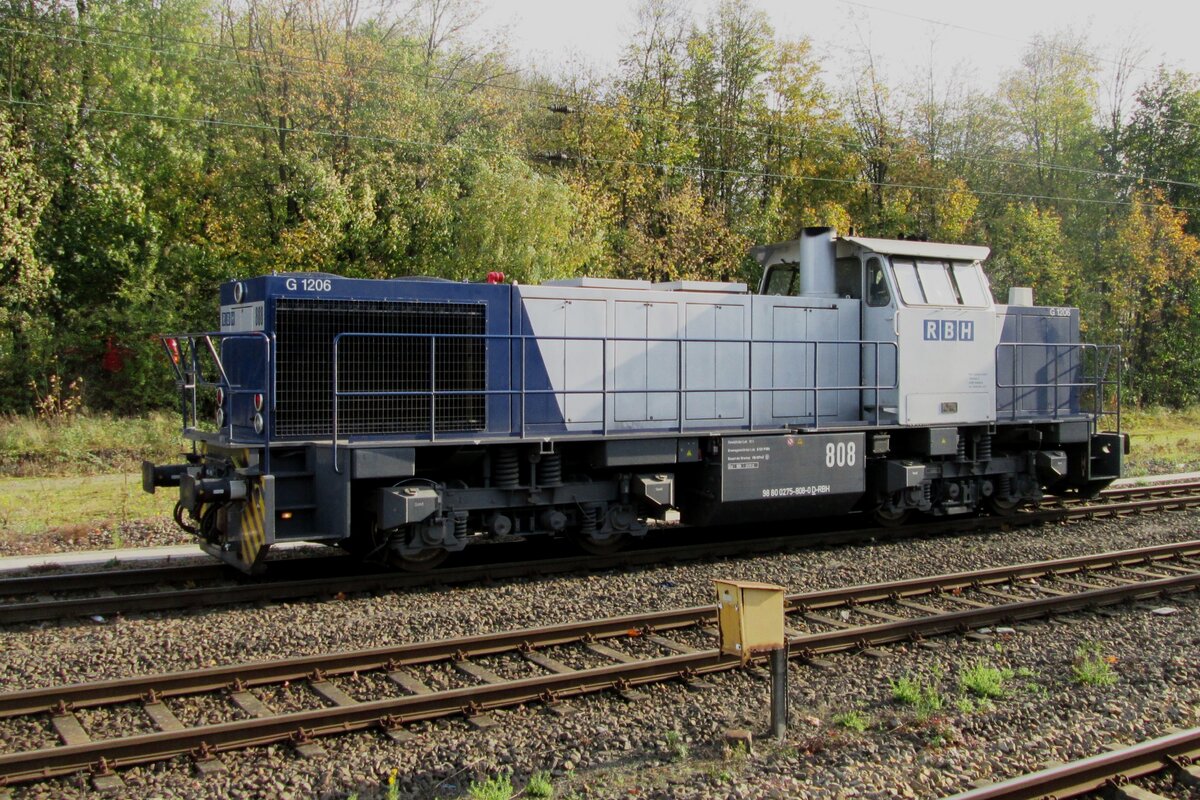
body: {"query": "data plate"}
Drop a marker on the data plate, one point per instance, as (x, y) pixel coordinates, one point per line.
(792, 466)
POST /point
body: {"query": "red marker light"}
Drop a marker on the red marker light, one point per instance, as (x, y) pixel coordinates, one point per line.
(495, 277)
(258, 402)
(173, 347)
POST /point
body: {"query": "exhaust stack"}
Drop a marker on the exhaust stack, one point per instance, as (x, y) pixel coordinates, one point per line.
(817, 257)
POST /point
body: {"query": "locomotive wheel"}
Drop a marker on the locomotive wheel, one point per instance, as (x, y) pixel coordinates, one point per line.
(421, 561)
(887, 518)
(613, 544)
(1003, 507)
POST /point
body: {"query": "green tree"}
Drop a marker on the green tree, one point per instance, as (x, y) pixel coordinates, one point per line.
(1028, 250)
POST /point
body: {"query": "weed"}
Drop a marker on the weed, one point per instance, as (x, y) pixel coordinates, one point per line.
(1025, 672)
(906, 690)
(118, 541)
(737, 753)
(983, 680)
(677, 746)
(393, 788)
(1036, 689)
(965, 705)
(539, 786)
(924, 699)
(853, 720)
(497, 788)
(718, 774)
(1092, 668)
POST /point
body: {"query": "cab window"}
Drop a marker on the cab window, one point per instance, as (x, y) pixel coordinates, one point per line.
(878, 293)
(781, 280)
(971, 287)
(940, 283)
(848, 278)
(908, 283)
(935, 281)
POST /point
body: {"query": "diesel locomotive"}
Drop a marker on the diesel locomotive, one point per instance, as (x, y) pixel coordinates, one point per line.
(406, 418)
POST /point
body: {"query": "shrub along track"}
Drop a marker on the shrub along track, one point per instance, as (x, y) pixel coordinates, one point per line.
(552, 664)
(117, 591)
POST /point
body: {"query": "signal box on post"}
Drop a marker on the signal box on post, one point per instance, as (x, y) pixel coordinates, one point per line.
(750, 617)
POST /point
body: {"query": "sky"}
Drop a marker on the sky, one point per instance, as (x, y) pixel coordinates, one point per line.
(975, 40)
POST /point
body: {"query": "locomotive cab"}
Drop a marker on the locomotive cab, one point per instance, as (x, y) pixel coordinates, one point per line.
(929, 301)
(989, 405)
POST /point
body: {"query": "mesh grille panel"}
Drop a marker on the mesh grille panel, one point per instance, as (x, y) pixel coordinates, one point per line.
(305, 330)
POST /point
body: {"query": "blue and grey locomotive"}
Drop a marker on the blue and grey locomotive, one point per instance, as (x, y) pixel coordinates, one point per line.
(407, 418)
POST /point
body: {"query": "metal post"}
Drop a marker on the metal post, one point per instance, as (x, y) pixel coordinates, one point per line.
(779, 693)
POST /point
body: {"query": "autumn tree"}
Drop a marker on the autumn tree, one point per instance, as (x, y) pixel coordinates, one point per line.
(1151, 266)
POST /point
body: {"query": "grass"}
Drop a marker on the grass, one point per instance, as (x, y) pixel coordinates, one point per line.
(85, 444)
(676, 746)
(497, 788)
(924, 698)
(1162, 440)
(1092, 668)
(983, 680)
(854, 720)
(31, 505)
(82, 471)
(539, 786)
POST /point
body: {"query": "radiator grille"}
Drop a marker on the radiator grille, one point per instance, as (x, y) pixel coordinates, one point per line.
(305, 330)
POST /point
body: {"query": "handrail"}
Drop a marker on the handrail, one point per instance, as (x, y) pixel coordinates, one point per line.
(1077, 356)
(190, 379)
(522, 390)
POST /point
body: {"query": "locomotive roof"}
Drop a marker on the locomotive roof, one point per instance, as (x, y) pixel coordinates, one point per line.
(904, 247)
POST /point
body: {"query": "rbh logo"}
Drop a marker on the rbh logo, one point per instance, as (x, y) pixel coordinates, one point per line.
(949, 330)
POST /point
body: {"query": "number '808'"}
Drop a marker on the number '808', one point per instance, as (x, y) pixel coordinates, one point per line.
(841, 454)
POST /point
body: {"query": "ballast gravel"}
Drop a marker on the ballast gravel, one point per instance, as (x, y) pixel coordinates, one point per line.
(669, 743)
(109, 535)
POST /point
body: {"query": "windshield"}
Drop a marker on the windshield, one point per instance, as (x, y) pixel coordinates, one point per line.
(927, 282)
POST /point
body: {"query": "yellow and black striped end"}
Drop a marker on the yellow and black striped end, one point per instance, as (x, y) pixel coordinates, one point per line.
(254, 514)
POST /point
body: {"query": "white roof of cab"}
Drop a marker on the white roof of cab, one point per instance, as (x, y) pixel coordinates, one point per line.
(903, 247)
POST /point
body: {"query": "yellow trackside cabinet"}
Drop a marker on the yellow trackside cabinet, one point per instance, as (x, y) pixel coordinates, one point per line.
(750, 617)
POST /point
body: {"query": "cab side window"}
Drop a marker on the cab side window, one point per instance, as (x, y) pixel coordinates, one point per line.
(878, 293)
(781, 280)
(848, 277)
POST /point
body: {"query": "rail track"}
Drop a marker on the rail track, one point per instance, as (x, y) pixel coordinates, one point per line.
(389, 688)
(117, 591)
(1113, 774)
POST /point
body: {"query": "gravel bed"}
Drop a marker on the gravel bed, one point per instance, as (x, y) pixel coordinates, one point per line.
(669, 745)
(151, 532)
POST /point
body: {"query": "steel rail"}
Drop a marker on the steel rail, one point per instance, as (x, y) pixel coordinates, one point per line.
(1165, 497)
(1092, 774)
(260, 673)
(390, 713)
